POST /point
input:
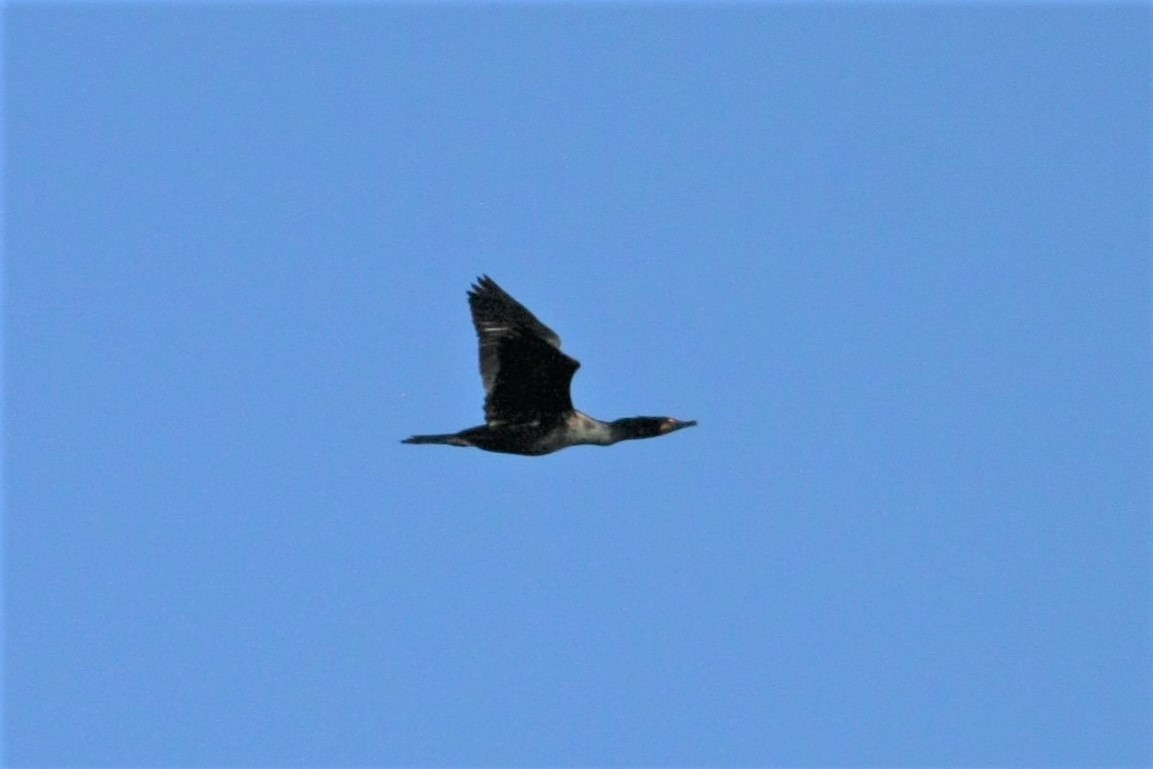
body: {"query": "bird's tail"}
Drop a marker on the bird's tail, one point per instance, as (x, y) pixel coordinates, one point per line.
(450, 440)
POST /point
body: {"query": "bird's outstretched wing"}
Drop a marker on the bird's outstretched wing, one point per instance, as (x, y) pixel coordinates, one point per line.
(525, 374)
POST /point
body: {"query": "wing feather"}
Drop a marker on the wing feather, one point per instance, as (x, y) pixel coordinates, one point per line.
(526, 376)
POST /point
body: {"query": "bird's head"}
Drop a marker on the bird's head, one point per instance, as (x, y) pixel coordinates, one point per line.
(630, 428)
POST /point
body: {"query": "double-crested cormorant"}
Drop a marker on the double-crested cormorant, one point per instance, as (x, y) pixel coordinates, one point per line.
(527, 406)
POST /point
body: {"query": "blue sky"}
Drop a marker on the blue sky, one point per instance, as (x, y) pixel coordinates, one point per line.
(894, 258)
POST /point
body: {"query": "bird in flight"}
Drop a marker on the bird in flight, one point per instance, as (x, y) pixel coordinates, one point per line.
(527, 406)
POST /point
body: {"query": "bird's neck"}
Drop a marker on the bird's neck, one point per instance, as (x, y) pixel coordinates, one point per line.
(585, 429)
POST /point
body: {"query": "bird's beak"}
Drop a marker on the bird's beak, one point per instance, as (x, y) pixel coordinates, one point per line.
(672, 425)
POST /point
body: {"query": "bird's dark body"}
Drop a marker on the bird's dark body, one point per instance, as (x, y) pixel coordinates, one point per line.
(507, 439)
(528, 408)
